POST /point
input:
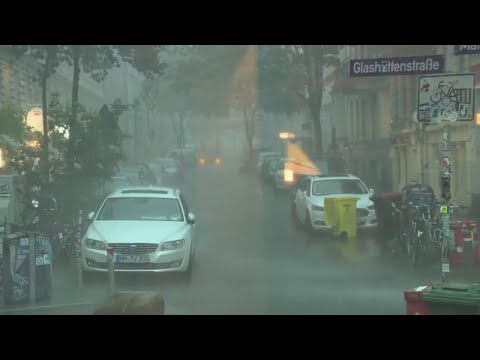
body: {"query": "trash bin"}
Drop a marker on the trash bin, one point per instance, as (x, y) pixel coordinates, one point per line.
(414, 301)
(16, 267)
(341, 215)
(453, 299)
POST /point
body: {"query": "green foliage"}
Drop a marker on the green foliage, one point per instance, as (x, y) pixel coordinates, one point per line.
(11, 122)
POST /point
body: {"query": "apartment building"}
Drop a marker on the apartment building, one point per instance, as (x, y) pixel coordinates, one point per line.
(374, 118)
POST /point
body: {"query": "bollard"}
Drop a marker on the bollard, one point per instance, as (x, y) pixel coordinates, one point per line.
(32, 256)
(78, 266)
(111, 271)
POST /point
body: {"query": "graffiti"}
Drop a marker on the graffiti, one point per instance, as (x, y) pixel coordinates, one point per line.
(5, 191)
(19, 294)
(446, 98)
(20, 281)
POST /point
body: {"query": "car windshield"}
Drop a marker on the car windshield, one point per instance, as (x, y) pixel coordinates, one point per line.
(141, 208)
(170, 164)
(338, 187)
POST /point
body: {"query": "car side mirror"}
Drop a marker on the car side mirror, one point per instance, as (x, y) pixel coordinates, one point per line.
(191, 218)
(91, 216)
(371, 191)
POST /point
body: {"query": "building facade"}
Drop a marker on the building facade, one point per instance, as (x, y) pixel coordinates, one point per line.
(374, 119)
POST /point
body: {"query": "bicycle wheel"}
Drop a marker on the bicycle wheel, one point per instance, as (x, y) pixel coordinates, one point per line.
(412, 246)
(436, 96)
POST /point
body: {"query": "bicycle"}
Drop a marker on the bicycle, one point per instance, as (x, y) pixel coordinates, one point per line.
(444, 96)
(417, 235)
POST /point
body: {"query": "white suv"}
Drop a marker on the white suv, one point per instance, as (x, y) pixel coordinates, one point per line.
(308, 200)
(149, 228)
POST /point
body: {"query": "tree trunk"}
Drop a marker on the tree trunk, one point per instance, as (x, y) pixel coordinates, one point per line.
(73, 118)
(317, 130)
(44, 155)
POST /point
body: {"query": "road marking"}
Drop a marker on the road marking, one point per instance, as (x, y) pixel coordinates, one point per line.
(44, 307)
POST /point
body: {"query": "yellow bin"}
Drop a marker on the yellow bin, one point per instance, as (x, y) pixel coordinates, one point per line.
(341, 215)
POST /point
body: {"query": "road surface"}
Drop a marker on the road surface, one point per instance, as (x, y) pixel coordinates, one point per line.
(252, 260)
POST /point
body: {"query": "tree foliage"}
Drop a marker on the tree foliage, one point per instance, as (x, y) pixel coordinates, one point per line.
(11, 122)
(307, 64)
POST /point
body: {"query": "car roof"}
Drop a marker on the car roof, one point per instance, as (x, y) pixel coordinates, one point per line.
(147, 191)
(334, 176)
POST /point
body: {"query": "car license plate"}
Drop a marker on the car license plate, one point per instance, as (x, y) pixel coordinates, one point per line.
(132, 258)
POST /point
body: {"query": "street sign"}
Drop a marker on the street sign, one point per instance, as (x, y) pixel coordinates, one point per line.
(466, 49)
(448, 97)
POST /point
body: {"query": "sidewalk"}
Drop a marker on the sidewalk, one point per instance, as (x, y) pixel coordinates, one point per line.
(67, 297)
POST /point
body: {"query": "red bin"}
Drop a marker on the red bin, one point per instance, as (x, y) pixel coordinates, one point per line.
(463, 231)
(415, 304)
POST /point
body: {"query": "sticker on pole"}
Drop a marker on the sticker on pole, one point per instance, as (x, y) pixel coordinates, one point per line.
(447, 98)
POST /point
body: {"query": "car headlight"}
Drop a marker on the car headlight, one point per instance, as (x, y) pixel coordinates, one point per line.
(317, 208)
(95, 244)
(173, 245)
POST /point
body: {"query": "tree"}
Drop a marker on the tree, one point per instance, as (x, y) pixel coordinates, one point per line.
(97, 60)
(49, 57)
(11, 123)
(307, 67)
(274, 67)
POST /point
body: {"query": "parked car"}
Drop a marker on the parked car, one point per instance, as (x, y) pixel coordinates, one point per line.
(284, 179)
(151, 229)
(308, 202)
(168, 169)
(269, 166)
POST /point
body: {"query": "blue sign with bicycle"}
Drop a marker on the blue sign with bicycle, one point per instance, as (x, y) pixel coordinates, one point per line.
(449, 97)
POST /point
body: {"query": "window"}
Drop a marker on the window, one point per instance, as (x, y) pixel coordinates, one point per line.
(141, 209)
(338, 187)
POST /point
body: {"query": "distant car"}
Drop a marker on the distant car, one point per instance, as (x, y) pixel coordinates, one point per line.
(183, 156)
(283, 178)
(168, 169)
(308, 202)
(150, 229)
(145, 175)
(262, 156)
(269, 166)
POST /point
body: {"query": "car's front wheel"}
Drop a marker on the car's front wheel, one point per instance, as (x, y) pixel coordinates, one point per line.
(187, 274)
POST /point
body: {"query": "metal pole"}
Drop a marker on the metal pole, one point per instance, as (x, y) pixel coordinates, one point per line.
(422, 160)
(78, 259)
(111, 271)
(32, 266)
(446, 195)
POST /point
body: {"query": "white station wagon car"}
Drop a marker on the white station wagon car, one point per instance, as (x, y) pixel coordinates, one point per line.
(308, 200)
(149, 228)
